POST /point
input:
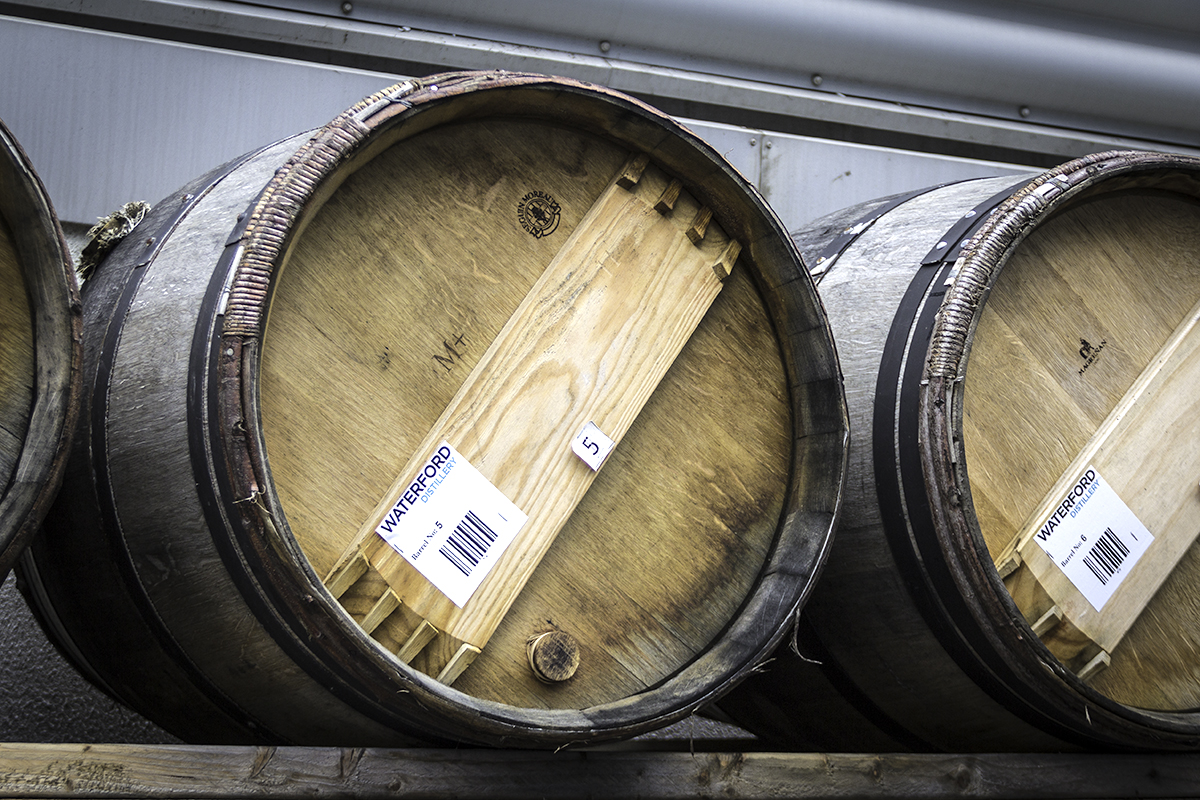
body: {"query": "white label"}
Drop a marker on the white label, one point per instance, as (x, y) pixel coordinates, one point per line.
(592, 446)
(451, 524)
(1094, 538)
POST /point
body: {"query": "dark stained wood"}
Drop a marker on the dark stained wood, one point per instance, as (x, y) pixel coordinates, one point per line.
(74, 770)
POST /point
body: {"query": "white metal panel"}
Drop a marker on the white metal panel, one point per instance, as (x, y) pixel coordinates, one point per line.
(107, 118)
(805, 178)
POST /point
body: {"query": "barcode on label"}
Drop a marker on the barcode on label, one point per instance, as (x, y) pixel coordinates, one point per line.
(468, 543)
(1093, 537)
(1106, 556)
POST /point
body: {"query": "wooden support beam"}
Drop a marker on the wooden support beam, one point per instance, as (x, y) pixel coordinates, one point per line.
(423, 635)
(346, 575)
(458, 663)
(380, 611)
(1048, 621)
(666, 202)
(723, 266)
(631, 173)
(35, 771)
(1095, 666)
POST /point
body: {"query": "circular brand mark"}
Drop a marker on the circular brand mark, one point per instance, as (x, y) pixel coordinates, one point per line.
(538, 214)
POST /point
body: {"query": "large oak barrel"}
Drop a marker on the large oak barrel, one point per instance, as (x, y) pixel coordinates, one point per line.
(272, 345)
(1015, 568)
(40, 352)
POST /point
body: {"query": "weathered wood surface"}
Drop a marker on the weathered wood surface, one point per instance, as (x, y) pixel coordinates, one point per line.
(1156, 473)
(263, 435)
(862, 608)
(97, 608)
(116, 771)
(359, 363)
(16, 355)
(40, 350)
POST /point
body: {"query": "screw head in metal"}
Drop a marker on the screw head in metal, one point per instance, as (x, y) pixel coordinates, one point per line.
(605, 46)
(347, 7)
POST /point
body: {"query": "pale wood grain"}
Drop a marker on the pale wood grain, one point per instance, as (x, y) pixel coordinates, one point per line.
(1117, 272)
(589, 343)
(1158, 473)
(691, 498)
(382, 343)
(591, 284)
(391, 297)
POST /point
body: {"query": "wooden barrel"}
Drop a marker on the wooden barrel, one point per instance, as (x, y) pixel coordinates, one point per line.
(447, 286)
(40, 322)
(1015, 567)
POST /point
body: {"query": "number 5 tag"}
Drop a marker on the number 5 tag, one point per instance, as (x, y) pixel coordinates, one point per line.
(592, 446)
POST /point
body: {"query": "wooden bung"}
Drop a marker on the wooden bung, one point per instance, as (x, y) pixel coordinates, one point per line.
(553, 656)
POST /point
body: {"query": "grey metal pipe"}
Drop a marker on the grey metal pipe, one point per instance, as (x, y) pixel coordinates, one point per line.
(1049, 61)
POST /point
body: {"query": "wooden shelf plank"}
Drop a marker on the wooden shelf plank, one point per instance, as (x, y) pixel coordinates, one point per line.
(128, 771)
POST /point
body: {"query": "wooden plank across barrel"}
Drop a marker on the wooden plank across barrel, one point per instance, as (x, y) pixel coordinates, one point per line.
(478, 269)
(587, 345)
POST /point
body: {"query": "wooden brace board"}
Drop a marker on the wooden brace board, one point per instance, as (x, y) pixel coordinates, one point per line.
(1160, 483)
(1086, 356)
(590, 342)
